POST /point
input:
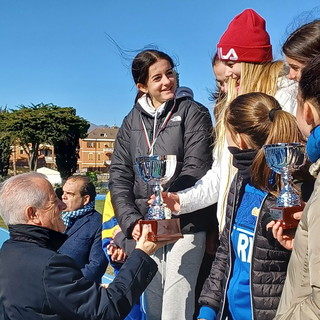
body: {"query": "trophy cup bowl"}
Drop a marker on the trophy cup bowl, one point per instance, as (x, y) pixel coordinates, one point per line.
(284, 159)
(156, 171)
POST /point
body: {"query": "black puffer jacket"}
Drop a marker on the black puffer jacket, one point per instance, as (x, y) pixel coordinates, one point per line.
(186, 135)
(268, 264)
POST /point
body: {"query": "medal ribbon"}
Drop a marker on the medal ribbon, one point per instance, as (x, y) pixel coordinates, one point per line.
(152, 143)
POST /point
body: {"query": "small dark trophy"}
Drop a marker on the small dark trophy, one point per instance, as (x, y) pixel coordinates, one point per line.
(284, 159)
(158, 170)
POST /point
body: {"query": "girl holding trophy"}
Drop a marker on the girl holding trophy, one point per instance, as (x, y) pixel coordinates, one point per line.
(163, 123)
(250, 267)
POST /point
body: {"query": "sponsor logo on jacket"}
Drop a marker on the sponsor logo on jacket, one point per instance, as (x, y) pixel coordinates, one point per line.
(176, 119)
(244, 245)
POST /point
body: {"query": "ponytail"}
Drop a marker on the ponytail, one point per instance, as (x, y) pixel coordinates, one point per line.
(282, 129)
(259, 117)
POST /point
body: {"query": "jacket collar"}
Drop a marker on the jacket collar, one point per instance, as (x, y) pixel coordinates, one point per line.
(43, 236)
(145, 103)
(166, 107)
(242, 160)
(78, 223)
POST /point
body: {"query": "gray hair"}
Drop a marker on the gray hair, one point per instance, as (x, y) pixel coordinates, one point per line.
(19, 192)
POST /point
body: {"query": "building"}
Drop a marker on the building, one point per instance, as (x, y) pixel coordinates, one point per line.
(96, 150)
(19, 158)
(94, 154)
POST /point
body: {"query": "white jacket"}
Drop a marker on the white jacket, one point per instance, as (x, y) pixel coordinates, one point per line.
(287, 94)
(214, 185)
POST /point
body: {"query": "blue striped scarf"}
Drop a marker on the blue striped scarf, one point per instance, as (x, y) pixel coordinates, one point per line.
(69, 217)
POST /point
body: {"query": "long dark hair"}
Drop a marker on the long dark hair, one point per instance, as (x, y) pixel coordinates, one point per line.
(304, 43)
(142, 62)
(309, 84)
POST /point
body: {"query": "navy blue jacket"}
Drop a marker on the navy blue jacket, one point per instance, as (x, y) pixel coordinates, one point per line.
(84, 246)
(37, 283)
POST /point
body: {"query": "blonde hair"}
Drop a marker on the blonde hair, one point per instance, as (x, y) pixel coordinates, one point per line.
(255, 77)
(249, 114)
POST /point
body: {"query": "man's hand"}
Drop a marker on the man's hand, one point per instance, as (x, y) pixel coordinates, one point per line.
(149, 247)
(171, 199)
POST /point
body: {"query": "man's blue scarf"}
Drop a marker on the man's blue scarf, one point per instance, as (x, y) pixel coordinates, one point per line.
(69, 217)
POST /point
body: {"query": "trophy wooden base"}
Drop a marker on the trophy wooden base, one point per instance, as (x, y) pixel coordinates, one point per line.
(285, 215)
(162, 230)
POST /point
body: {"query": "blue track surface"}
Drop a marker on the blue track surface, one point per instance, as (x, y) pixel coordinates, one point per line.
(4, 235)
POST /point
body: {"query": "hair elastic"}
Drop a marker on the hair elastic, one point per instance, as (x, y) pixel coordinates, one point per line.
(272, 111)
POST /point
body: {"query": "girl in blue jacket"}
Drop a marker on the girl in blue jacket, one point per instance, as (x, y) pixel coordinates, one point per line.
(249, 270)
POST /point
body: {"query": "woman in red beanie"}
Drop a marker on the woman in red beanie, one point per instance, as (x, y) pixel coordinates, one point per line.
(246, 52)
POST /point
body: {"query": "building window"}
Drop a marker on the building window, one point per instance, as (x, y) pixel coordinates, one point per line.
(90, 156)
(46, 152)
(98, 145)
(90, 144)
(99, 156)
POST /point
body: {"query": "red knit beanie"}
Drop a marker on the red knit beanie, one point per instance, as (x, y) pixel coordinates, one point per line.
(246, 39)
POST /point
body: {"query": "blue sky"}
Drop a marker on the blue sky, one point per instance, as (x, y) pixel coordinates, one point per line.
(57, 51)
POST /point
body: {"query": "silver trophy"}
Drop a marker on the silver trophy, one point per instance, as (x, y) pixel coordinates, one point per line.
(157, 171)
(284, 159)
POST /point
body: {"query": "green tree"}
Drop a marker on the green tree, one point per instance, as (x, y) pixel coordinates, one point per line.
(5, 152)
(67, 147)
(67, 155)
(43, 124)
(5, 145)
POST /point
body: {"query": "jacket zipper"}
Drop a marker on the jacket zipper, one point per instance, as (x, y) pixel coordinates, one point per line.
(230, 248)
(252, 253)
